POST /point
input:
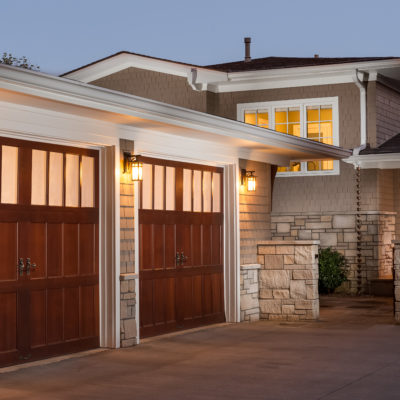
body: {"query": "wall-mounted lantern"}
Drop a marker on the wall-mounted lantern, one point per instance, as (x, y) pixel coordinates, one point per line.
(134, 166)
(248, 177)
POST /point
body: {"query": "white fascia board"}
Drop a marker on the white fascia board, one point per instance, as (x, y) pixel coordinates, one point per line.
(301, 76)
(73, 92)
(126, 60)
(375, 161)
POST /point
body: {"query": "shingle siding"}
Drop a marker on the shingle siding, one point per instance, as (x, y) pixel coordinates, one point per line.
(387, 114)
(156, 86)
(255, 211)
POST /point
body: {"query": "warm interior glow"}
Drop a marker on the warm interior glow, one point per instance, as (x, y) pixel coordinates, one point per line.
(137, 171)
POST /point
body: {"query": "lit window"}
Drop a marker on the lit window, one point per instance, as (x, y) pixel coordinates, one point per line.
(259, 118)
(314, 119)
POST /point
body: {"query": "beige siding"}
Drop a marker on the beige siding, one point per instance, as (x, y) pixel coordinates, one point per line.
(316, 193)
(255, 211)
(387, 113)
(156, 86)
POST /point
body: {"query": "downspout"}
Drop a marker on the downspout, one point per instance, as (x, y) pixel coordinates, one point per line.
(192, 80)
(362, 85)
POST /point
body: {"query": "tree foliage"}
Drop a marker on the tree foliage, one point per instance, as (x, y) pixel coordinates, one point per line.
(22, 62)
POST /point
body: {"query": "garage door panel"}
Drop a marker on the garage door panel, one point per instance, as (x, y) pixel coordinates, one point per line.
(38, 318)
(86, 249)
(8, 251)
(146, 246)
(88, 311)
(197, 245)
(71, 249)
(207, 244)
(158, 246)
(146, 302)
(185, 297)
(170, 300)
(197, 296)
(170, 246)
(55, 311)
(54, 250)
(216, 244)
(34, 237)
(71, 313)
(159, 300)
(8, 322)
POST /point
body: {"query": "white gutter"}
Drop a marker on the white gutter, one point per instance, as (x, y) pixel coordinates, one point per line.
(362, 85)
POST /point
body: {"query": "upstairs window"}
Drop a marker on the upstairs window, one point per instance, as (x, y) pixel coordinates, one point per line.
(314, 119)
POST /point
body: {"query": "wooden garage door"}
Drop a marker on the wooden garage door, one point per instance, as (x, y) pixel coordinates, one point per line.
(48, 250)
(181, 246)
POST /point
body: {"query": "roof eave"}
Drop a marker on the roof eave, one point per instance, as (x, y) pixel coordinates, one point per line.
(78, 93)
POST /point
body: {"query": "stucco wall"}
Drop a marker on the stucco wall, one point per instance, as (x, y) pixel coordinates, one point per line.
(255, 211)
(156, 86)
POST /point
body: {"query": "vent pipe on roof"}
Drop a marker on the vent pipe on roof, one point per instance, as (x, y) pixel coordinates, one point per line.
(247, 41)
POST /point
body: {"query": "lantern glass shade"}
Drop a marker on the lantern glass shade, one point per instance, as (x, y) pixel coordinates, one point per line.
(137, 171)
(251, 183)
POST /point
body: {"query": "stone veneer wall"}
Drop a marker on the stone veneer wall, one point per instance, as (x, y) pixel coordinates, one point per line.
(396, 268)
(339, 231)
(288, 280)
(127, 253)
(249, 291)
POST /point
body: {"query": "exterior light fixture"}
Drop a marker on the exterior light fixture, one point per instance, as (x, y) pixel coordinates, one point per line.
(249, 178)
(134, 166)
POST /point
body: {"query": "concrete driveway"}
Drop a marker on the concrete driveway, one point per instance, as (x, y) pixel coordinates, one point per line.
(353, 352)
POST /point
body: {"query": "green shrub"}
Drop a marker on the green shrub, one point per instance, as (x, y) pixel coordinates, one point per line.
(332, 270)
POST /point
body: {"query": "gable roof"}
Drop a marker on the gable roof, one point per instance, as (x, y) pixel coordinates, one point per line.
(390, 146)
(256, 64)
(266, 63)
(132, 54)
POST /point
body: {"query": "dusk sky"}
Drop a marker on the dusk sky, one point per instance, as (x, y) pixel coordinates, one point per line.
(62, 35)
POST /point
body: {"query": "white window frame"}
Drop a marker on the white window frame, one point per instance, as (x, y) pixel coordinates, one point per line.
(270, 106)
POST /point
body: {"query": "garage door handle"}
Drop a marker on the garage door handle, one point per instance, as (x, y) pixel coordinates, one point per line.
(30, 266)
(21, 266)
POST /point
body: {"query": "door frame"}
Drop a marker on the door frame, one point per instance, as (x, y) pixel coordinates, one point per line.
(231, 235)
(109, 228)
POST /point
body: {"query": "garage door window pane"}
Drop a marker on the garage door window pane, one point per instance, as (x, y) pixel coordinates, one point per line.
(216, 190)
(197, 191)
(87, 174)
(147, 187)
(72, 180)
(207, 191)
(170, 189)
(56, 179)
(187, 190)
(158, 187)
(9, 174)
(39, 165)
